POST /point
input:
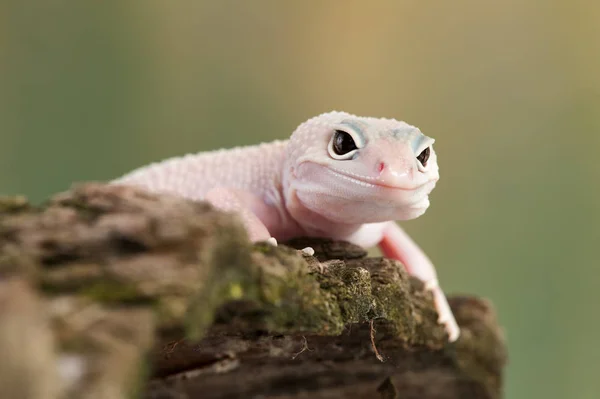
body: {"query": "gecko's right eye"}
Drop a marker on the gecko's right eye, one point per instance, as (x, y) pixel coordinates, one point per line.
(342, 145)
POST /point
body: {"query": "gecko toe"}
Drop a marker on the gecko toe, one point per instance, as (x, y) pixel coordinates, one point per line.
(453, 330)
(445, 316)
(308, 251)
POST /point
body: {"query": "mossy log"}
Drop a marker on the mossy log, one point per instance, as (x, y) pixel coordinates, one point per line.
(132, 294)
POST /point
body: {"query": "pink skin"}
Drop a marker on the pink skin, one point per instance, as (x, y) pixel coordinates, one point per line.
(304, 187)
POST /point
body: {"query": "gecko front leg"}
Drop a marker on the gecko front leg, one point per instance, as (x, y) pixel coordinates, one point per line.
(249, 206)
(241, 202)
(396, 244)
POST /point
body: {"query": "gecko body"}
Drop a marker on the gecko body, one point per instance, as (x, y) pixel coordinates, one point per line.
(339, 176)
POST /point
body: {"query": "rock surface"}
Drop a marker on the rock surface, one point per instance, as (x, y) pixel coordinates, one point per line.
(114, 286)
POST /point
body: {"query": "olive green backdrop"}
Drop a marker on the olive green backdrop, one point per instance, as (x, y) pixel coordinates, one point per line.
(510, 89)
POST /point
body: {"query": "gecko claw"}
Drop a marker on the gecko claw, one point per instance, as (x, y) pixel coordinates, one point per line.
(432, 284)
(307, 251)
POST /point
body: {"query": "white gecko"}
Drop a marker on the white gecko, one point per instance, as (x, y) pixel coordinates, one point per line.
(339, 176)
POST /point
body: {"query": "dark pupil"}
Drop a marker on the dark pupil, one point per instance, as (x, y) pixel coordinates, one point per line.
(343, 143)
(424, 156)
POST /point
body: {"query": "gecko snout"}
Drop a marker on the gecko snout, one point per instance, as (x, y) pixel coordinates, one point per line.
(394, 174)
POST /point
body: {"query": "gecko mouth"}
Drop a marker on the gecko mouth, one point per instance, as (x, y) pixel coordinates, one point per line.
(367, 181)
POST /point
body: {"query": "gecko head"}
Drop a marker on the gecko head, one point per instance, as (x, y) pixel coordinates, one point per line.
(352, 169)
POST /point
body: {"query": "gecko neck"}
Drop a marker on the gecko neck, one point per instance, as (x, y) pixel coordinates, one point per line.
(312, 223)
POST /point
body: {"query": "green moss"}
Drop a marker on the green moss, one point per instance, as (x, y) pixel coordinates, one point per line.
(324, 298)
(112, 292)
(351, 288)
(228, 279)
(141, 375)
(16, 204)
(291, 297)
(391, 304)
(235, 291)
(263, 247)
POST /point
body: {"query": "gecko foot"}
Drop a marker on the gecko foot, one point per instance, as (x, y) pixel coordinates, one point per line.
(445, 313)
(272, 241)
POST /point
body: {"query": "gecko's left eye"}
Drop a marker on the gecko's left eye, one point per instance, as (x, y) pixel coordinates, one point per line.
(423, 157)
(342, 145)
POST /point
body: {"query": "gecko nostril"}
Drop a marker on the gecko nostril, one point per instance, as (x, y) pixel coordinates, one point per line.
(381, 167)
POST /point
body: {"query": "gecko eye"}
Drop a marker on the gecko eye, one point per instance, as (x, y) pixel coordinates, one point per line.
(424, 156)
(342, 145)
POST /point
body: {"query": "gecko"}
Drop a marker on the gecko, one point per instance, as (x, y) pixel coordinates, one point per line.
(339, 176)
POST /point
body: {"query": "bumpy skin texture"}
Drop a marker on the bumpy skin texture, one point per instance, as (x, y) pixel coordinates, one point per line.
(339, 176)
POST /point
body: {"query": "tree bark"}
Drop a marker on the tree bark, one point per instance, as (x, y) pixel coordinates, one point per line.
(144, 295)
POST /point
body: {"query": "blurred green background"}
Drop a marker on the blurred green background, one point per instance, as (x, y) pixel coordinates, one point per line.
(510, 90)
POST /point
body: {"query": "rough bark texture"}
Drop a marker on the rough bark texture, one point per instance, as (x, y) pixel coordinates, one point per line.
(105, 286)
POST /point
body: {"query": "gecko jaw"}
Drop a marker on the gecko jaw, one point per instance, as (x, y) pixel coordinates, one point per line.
(351, 198)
